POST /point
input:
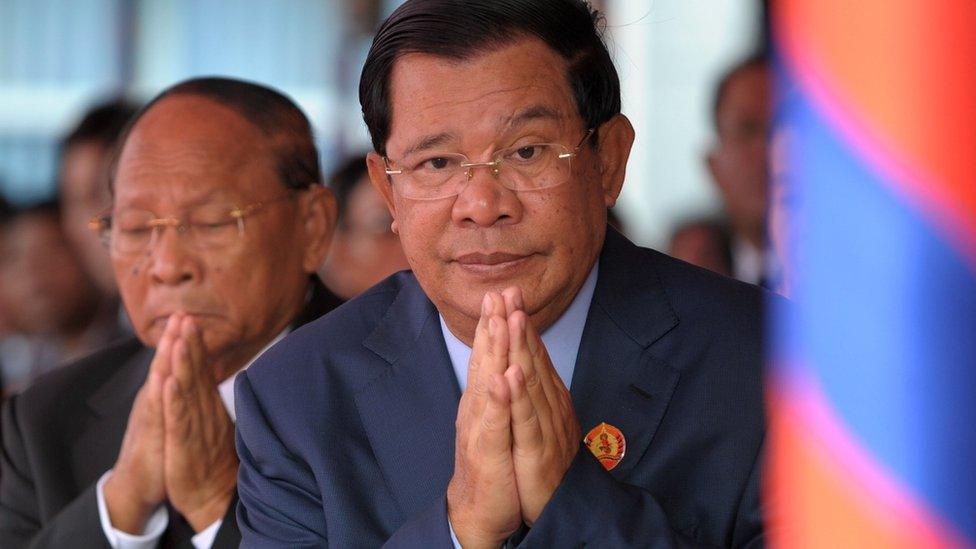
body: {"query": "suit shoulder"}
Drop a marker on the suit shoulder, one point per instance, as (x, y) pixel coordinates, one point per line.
(721, 321)
(695, 291)
(349, 323)
(72, 383)
(335, 335)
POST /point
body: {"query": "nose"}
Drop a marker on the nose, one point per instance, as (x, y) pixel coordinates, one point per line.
(169, 260)
(485, 202)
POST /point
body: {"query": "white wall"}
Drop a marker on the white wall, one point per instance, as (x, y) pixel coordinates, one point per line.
(669, 54)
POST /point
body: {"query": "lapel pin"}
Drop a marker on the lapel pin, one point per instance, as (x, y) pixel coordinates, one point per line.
(607, 443)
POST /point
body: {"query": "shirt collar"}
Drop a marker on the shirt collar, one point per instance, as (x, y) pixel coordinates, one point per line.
(226, 387)
(747, 261)
(562, 339)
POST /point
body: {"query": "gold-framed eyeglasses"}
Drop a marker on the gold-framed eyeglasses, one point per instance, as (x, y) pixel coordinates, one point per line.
(521, 167)
(206, 227)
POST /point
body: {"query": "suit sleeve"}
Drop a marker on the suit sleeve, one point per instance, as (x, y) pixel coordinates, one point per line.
(279, 502)
(429, 528)
(20, 517)
(592, 508)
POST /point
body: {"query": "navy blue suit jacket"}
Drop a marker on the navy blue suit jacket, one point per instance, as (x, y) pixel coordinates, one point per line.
(346, 430)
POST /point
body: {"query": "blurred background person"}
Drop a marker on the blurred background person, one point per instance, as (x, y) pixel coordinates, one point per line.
(738, 163)
(85, 155)
(5, 212)
(48, 297)
(6, 328)
(704, 242)
(365, 250)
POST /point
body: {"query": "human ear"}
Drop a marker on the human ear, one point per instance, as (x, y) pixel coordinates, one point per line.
(615, 138)
(376, 167)
(319, 213)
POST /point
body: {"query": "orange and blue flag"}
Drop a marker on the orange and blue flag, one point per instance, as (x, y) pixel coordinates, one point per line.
(872, 392)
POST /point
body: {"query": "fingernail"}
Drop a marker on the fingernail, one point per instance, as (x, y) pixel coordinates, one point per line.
(486, 305)
(518, 300)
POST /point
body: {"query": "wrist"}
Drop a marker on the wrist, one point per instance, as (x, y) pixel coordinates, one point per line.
(201, 516)
(469, 540)
(473, 537)
(127, 511)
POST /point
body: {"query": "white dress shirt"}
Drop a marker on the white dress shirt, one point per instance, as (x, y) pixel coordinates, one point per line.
(159, 520)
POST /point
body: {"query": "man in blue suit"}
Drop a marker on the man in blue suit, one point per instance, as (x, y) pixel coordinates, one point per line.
(447, 405)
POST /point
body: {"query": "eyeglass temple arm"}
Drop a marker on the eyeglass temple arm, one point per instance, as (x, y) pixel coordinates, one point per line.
(589, 133)
(164, 222)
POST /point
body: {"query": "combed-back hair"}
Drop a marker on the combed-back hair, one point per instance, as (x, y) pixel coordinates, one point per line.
(275, 115)
(461, 29)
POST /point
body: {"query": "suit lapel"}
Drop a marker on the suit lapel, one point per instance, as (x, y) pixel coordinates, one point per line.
(617, 380)
(110, 405)
(408, 411)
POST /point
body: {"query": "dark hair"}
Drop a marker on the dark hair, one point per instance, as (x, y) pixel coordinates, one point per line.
(45, 208)
(758, 60)
(5, 210)
(283, 123)
(344, 179)
(460, 29)
(102, 124)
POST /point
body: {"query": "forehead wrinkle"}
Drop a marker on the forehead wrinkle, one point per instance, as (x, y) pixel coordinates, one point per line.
(482, 96)
(203, 137)
(538, 111)
(182, 169)
(429, 142)
(531, 113)
(426, 88)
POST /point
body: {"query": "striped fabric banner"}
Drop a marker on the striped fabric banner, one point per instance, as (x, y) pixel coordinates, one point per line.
(872, 392)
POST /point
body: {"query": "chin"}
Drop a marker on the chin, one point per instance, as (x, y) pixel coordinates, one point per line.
(217, 338)
(150, 335)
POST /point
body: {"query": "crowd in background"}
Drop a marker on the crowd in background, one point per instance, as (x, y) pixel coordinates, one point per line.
(58, 299)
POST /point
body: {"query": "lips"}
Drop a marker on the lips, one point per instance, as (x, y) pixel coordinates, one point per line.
(493, 265)
(162, 318)
(488, 259)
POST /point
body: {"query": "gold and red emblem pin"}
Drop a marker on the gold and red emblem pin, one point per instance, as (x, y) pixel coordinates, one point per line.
(607, 443)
